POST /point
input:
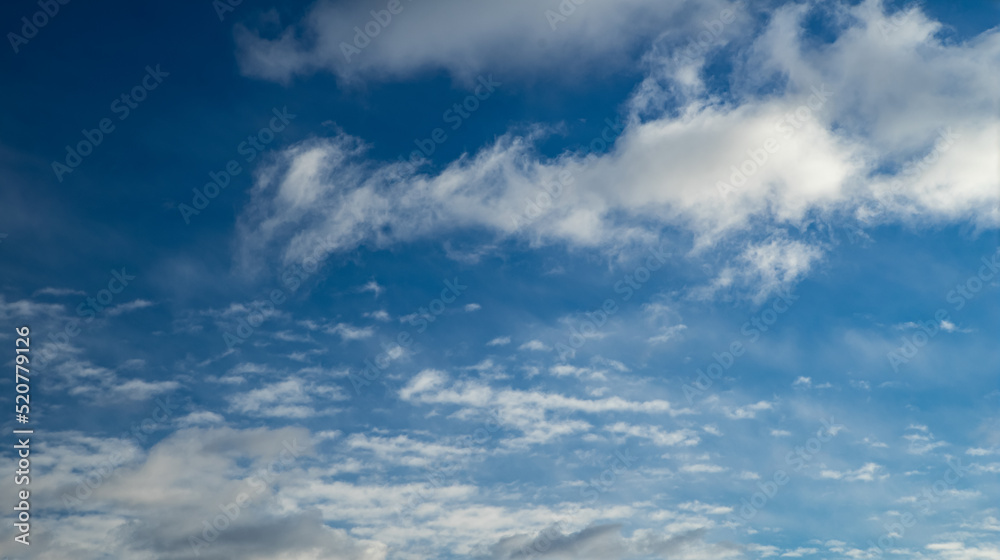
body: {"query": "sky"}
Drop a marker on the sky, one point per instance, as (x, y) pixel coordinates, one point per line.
(533, 279)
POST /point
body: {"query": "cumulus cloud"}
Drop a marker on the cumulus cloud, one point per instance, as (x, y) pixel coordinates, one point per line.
(832, 141)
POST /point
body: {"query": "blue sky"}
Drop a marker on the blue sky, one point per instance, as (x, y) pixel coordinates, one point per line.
(693, 280)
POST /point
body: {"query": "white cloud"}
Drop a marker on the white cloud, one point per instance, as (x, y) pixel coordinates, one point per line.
(866, 473)
(746, 412)
(562, 370)
(922, 443)
(604, 542)
(768, 266)
(704, 508)
(944, 325)
(158, 499)
(764, 550)
(655, 434)
(291, 398)
(872, 442)
(26, 308)
(948, 326)
(609, 363)
(712, 429)
(128, 307)
(534, 413)
(703, 468)
(378, 315)
(536, 345)
(370, 286)
(799, 552)
(200, 418)
(979, 451)
(350, 332)
(102, 385)
(499, 341)
(954, 550)
(667, 334)
(139, 390)
(324, 195)
(515, 37)
(403, 450)
(987, 523)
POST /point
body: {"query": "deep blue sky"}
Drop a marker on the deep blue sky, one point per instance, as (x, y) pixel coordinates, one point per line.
(388, 240)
